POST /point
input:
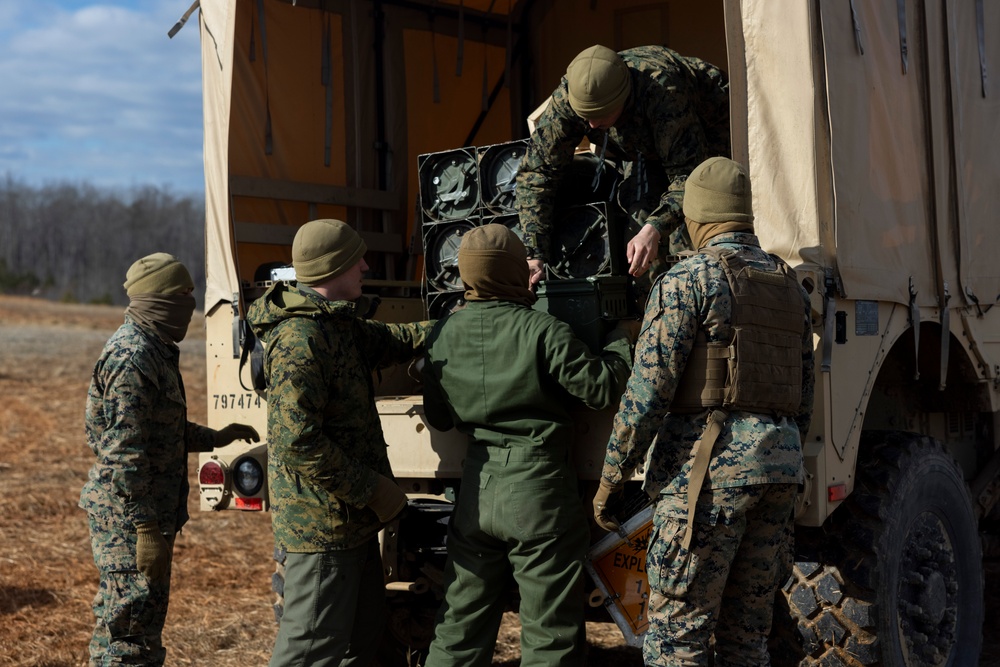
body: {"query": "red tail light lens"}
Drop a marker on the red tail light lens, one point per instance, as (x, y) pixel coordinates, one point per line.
(211, 474)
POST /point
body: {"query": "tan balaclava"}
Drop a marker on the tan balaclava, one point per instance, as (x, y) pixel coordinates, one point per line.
(493, 264)
(599, 83)
(159, 288)
(324, 249)
(717, 200)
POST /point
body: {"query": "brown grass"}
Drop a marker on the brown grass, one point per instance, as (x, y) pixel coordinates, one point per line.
(220, 606)
(220, 610)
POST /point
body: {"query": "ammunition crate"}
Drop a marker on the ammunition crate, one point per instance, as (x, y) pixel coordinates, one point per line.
(591, 306)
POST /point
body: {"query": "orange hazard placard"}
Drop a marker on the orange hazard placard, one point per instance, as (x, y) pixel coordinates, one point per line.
(618, 566)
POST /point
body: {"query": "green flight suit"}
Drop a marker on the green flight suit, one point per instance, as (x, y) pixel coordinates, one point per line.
(509, 376)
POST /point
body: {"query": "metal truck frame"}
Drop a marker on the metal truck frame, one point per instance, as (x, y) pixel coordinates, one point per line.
(869, 129)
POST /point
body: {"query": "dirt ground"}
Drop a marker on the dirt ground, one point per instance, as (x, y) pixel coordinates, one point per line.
(220, 610)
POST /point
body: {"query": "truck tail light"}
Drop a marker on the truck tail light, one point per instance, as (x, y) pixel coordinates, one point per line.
(252, 504)
(212, 474)
(836, 492)
(213, 478)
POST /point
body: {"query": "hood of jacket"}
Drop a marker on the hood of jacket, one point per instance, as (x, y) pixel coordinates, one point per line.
(282, 302)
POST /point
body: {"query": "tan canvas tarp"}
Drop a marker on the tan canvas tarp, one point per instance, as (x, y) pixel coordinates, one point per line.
(857, 164)
(873, 174)
(268, 115)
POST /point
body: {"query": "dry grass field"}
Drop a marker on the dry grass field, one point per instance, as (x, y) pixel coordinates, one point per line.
(220, 611)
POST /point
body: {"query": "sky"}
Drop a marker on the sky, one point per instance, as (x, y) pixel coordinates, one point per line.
(95, 92)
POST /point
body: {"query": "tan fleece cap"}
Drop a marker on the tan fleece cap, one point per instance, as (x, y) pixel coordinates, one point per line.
(599, 83)
(493, 264)
(718, 190)
(159, 273)
(324, 249)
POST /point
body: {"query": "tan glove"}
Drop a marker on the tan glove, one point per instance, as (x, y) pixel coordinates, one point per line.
(607, 497)
(631, 328)
(235, 432)
(388, 501)
(152, 552)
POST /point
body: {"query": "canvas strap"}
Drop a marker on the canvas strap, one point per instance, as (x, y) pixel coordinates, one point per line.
(699, 467)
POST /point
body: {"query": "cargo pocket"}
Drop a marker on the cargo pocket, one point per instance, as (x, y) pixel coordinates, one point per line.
(127, 597)
(670, 569)
(543, 509)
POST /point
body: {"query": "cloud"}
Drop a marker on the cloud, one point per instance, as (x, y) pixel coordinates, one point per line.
(98, 93)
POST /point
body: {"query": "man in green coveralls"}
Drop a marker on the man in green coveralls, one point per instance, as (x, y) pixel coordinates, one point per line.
(331, 488)
(660, 112)
(136, 493)
(723, 379)
(508, 376)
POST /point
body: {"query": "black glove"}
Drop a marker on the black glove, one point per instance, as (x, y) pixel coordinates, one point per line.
(235, 432)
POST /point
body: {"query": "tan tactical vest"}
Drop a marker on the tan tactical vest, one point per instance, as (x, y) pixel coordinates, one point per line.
(760, 369)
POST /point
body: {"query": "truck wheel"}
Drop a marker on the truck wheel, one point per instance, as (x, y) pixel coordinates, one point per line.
(409, 630)
(895, 577)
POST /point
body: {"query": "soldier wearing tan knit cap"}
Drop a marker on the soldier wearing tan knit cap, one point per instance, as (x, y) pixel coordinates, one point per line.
(136, 494)
(329, 479)
(656, 111)
(719, 401)
(325, 249)
(507, 375)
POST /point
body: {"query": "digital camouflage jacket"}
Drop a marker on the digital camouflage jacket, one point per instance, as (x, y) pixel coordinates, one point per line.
(676, 116)
(325, 447)
(752, 448)
(136, 424)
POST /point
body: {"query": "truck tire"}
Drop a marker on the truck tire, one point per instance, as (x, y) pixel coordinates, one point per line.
(895, 578)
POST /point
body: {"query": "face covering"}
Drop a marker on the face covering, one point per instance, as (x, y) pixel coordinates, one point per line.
(168, 315)
(702, 232)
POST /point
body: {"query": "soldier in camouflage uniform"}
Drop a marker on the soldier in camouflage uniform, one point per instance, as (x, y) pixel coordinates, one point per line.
(723, 379)
(331, 488)
(136, 494)
(507, 375)
(661, 112)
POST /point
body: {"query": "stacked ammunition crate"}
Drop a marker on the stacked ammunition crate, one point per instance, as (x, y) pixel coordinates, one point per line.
(585, 282)
(459, 190)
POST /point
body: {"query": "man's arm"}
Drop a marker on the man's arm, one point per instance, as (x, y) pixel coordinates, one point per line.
(680, 144)
(298, 392)
(662, 349)
(126, 401)
(558, 132)
(388, 344)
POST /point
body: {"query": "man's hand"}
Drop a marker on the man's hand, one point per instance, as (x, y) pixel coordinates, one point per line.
(642, 250)
(388, 501)
(236, 432)
(152, 552)
(631, 327)
(607, 497)
(536, 269)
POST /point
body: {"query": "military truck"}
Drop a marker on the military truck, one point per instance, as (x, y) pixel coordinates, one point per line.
(869, 129)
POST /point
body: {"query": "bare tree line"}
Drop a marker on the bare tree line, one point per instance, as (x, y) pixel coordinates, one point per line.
(74, 242)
